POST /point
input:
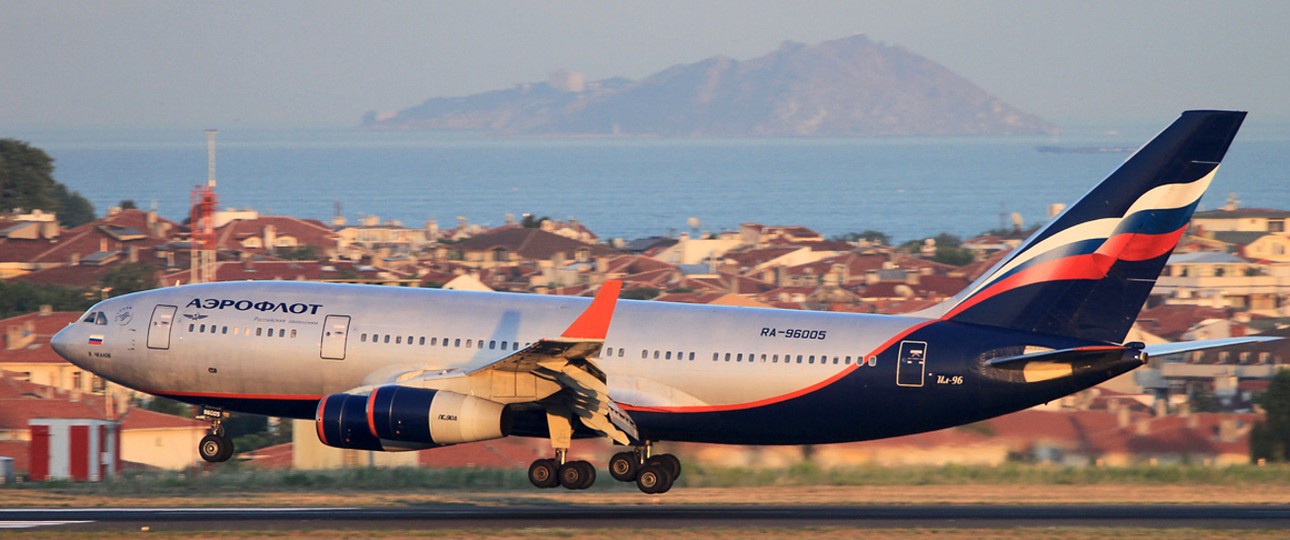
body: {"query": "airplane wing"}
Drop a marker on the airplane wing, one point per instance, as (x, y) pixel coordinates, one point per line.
(567, 361)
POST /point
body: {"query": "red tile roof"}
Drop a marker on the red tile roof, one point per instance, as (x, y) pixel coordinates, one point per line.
(38, 351)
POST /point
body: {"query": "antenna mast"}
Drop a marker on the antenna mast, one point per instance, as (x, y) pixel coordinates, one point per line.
(201, 222)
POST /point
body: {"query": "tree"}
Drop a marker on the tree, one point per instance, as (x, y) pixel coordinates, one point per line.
(1270, 438)
(299, 253)
(18, 297)
(640, 293)
(128, 204)
(130, 277)
(530, 222)
(27, 182)
(868, 235)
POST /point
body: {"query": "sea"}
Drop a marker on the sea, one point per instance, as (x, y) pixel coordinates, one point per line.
(910, 188)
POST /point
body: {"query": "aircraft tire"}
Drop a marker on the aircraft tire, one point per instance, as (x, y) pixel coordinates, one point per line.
(577, 475)
(654, 479)
(623, 466)
(215, 449)
(228, 448)
(670, 461)
(543, 474)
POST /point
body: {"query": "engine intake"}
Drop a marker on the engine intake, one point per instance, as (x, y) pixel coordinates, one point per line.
(396, 417)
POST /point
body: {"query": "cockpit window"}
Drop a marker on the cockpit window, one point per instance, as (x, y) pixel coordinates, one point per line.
(100, 319)
(89, 317)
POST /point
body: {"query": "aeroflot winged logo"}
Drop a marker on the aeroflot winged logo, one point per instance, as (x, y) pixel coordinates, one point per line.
(298, 308)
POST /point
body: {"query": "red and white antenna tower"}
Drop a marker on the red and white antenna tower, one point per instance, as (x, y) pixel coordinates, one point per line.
(202, 220)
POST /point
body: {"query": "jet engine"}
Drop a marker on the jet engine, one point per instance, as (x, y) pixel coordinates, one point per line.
(396, 417)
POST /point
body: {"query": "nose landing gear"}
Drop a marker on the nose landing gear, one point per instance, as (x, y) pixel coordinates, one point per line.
(216, 447)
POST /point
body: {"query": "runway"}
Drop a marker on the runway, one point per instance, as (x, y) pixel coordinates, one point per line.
(647, 517)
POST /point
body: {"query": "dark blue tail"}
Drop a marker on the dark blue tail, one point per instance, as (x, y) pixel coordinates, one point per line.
(1088, 272)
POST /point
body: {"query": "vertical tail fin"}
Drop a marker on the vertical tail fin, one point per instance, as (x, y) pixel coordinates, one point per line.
(1088, 272)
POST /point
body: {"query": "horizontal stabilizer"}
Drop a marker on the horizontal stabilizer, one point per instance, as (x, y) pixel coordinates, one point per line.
(1165, 349)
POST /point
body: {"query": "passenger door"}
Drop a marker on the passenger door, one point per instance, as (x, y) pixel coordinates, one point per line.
(163, 319)
(335, 335)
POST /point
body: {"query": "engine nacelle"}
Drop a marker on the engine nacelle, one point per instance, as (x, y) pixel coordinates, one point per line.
(396, 417)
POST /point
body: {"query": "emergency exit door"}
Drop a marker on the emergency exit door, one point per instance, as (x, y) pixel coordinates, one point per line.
(335, 334)
(912, 363)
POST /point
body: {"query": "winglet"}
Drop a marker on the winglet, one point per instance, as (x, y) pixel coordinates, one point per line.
(594, 322)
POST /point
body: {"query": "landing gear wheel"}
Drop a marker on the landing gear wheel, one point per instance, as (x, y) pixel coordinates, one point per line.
(542, 474)
(669, 461)
(654, 479)
(577, 475)
(623, 466)
(215, 448)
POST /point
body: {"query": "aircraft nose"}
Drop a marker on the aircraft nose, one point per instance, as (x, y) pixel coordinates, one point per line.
(62, 343)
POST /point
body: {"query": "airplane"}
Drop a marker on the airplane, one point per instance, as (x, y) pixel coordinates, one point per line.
(394, 369)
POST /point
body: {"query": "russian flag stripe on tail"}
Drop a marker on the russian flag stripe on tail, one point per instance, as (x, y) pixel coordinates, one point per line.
(1088, 272)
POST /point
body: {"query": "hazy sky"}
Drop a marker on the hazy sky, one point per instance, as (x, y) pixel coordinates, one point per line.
(324, 62)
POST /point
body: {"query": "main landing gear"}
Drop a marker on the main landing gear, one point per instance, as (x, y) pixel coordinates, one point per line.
(216, 447)
(651, 473)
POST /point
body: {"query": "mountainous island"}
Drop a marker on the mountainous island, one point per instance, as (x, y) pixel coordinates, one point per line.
(846, 87)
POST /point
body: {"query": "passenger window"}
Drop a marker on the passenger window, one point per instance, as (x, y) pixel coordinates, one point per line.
(469, 342)
(224, 330)
(763, 358)
(668, 356)
(202, 330)
(362, 338)
(799, 358)
(691, 356)
(387, 338)
(727, 357)
(282, 332)
(434, 341)
(656, 354)
(191, 326)
(714, 356)
(421, 341)
(293, 333)
(492, 344)
(259, 332)
(644, 354)
(398, 340)
(739, 357)
(457, 343)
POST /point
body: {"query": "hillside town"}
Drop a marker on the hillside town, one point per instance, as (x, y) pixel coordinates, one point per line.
(1230, 276)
